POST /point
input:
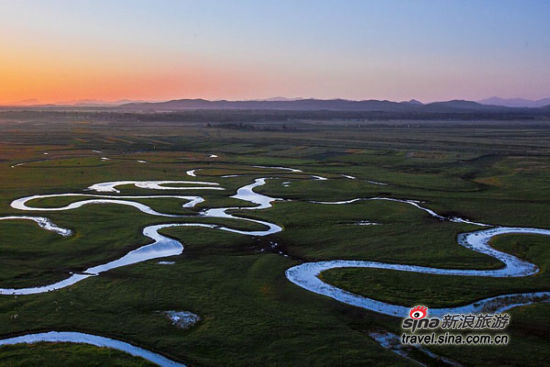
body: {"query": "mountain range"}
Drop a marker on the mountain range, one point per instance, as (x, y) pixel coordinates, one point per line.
(493, 106)
(516, 102)
(310, 104)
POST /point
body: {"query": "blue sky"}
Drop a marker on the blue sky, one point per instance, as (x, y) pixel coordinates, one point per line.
(429, 50)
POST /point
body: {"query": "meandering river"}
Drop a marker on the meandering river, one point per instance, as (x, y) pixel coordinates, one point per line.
(305, 275)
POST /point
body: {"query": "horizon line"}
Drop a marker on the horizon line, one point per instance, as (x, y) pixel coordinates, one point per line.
(91, 102)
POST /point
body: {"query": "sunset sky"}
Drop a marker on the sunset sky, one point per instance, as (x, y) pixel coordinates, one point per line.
(63, 51)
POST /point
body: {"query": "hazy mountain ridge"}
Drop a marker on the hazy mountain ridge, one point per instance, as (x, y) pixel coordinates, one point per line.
(516, 102)
(311, 104)
(372, 107)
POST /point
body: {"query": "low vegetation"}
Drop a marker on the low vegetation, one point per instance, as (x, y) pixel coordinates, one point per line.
(495, 173)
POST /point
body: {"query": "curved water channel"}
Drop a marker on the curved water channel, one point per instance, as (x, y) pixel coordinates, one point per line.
(162, 246)
(98, 341)
(305, 275)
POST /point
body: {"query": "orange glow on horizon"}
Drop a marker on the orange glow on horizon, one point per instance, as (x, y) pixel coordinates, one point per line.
(33, 85)
(55, 52)
(49, 76)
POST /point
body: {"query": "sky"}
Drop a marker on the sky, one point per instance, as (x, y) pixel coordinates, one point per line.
(58, 51)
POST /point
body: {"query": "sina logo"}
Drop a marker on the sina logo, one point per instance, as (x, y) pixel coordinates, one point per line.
(418, 312)
(418, 319)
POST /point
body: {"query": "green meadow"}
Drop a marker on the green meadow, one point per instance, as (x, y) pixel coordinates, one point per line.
(251, 315)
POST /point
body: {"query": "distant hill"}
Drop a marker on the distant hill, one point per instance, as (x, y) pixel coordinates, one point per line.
(308, 108)
(288, 105)
(463, 106)
(516, 102)
(455, 106)
(490, 105)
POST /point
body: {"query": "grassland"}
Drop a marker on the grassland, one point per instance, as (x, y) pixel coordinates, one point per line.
(493, 173)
